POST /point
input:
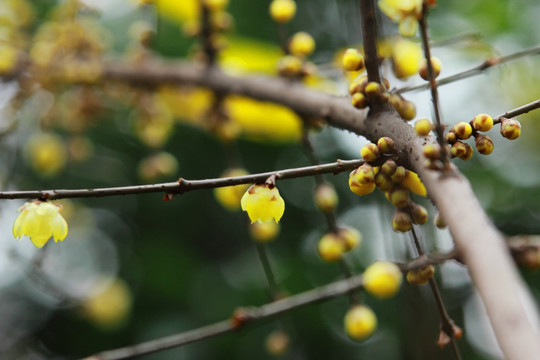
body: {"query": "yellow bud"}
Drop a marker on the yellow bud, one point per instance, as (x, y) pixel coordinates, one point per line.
(359, 100)
(462, 130)
(360, 322)
(510, 128)
(360, 189)
(482, 122)
(451, 137)
(421, 276)
(373, 89)
(370, 152)
(407, 110)
(301, 44)
(468, 153)
(413, 183)
(382, 279)
(432, 151)
(331, 247)
(458, 149)
(351, 237)
(419, 214)
(264, 232)
(423, 127)
(401, 221)
(484, 144)
(326, 198)
(353, 60)
(436, 66)
(46, 154)
(400, 198)
(229, 196)
(389, 167)
(290, 66)
(282, 11)
(358, 86)
(277, 343)
(386, 145)
(399, 175)
(364, 174)
(383, 182)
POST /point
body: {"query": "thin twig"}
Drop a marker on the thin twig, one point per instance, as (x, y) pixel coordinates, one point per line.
(183, 185)
(488, 63)
(246, 316)
(517, 111)
(422, 22)
(265, 262)
(446, 321)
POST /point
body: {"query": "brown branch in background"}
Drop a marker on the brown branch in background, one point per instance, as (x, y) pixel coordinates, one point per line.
(369, 34)
(251, 315)
(422, 22)
(479, 69)
(206, 35)
(183, 185)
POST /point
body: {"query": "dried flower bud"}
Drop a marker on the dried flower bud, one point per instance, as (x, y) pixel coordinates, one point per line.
(439, 222)
(401, 221)
(510, 128)
(421, 276)
(419, 214)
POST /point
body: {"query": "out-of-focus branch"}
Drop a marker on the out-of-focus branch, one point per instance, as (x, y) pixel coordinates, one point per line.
(517, 111)
(252, 315)
(183, 185)
(478, 69)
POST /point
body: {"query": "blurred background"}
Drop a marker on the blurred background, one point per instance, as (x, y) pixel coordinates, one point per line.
(134, 268)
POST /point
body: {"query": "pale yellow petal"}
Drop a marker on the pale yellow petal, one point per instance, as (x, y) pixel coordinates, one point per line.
(59, 228)
(17, 225)
(408, 26)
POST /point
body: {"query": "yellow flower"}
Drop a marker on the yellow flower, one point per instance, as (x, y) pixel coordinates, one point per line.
(382, 279)
(404, 12)
(406, 58)
(360, 322)
(39, 221)
(46, 153)
(263, 203)
(110, 306)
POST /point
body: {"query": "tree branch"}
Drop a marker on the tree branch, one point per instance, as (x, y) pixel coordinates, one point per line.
(251, 315)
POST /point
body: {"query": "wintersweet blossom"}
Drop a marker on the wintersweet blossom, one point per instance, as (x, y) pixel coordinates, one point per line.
(404, 12)
(40, 221)
(263, 203)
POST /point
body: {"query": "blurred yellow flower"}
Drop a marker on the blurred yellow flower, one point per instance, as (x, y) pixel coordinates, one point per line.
(40, 221)
(404, 12)
(244, 55)
(406, 58)
(46, 153)
(263, 203)
(229, 196)
(109, 307)
(178, 10)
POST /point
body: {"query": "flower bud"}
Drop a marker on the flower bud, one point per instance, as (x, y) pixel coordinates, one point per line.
(458, 149)
(389, 167)
(407, 110)
(382, 279)
(386, 145)
(419, 214)
(436, 65)
(399, 175)
(358, 86)
(510, 128)
(290, 66)
(358, 188)
(364, 174)
(484, 144)
(400, 198)
(423, 127)
(421, 276)
(370, 152)
(482, 122)
(462, 130)
(351, 237)
(331, 247)
(360, 322)
(401, 221)
(282, 11)
(439, 222)
(301, 44)
(451, 137)
(326, 198)
(468, 153)
(432, 151)
(383, 182)
(359, 100)
(353, 60)
(373, 89)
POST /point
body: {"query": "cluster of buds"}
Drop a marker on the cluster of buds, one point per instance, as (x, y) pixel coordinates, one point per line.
(510, 129)
(333, 245)
(394, 180)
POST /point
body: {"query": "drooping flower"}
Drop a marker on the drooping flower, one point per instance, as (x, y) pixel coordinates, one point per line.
(40, 221)
(404, 12)
(263, 203)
